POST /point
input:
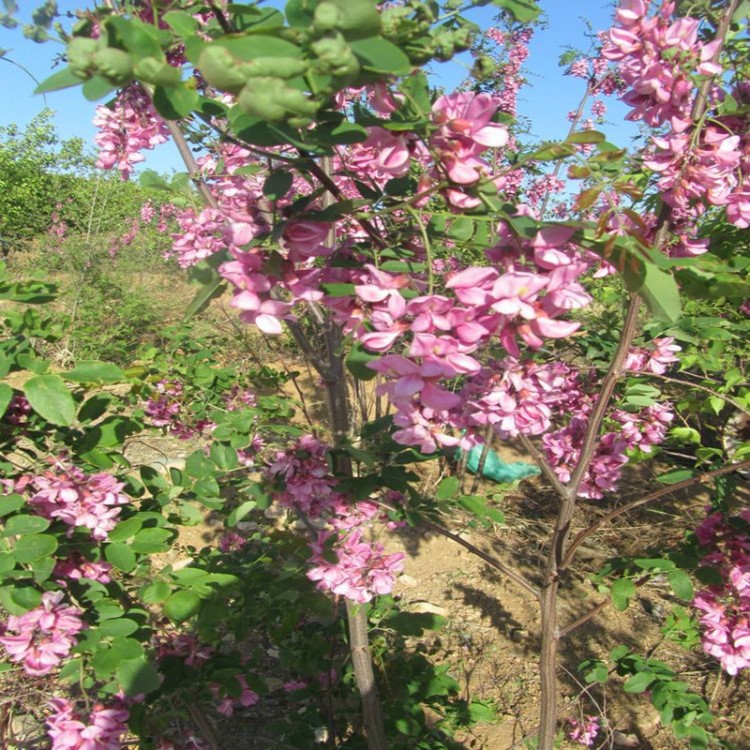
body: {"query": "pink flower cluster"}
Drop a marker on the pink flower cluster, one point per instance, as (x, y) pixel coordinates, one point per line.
(659, 57)
(75, 567)
(227, 703)
(301, 478)
(361, 570)
(465, 131)
(18, 410)
(103, 729)
(68, 494)
(656, 360)
(45, 634)
(164, 409)
(130, 126)
(514, 53)
(584, 732)
(725, 607)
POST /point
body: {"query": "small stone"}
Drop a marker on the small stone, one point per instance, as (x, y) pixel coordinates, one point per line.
(407, 581)
(619, 739)
(427, 608)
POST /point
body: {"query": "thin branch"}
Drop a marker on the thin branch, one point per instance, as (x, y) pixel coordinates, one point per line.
(543, 464)
(655, 495)
(516, 577)
(488, 433)
(737, 405)
(596, 609)
(221, 18)
(602, 403)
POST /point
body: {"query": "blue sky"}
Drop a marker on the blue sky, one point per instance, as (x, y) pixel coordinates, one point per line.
(545, 102)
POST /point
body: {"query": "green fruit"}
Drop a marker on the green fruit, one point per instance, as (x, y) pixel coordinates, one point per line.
(360, 19)
(462, 38)
(484, 67)
(257, 99)
(327, 17)
(80, 53)
(157, 72)
(331, 50)
(270, 99)
(221, 69)
(296, 102)
(274, 67)
(114, 65)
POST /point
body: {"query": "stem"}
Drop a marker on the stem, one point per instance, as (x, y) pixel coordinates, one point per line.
(488, 434)
(359, 646)
(332, 372)
(569, 494)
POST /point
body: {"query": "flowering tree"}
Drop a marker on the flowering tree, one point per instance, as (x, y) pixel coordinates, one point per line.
(404, 237)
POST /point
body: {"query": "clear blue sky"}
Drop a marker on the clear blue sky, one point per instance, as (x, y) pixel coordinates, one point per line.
(545, 102)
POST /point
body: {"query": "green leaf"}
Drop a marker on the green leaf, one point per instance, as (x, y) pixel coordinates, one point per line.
(224, 456)
(331, 134)
(378, 55)
(586, 136)
(659, 290)
(11, 503)
(461, 229)
(240, 512)
(126, 529)
(552, 152)
(639, 682)
(209, 291)
(50, 398)
(29, 549)
(6, 396)
(623, 589)
(524, 11)
(356, 363)
(97, 88)
(106, 660)
(481, 711)
(447, 488)
(148, 541)
(17, 525)
(95, 407)
(110, 432)
(94, 371)
(183, 24)
(277, 184)
(63, 79)
(414, 623)
(681, 584)
(181, 606)
(155, 593)
(175, 102)
(137, 676)
(121, 555)
(678, 475)
(118, 627)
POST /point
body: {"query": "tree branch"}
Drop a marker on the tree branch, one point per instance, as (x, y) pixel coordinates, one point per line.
(655, 495)
(505, 570)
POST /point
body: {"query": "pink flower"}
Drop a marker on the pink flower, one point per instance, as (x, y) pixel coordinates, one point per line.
(46, 634)
(361, 570)
(77, 499)
(103, 730)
